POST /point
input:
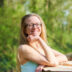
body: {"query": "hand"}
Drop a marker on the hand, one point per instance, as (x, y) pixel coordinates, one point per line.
(63, 63)
(39, 68)
(32, 38)
(62, 59)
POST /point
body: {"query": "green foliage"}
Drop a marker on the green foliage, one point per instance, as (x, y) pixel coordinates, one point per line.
(9, 34)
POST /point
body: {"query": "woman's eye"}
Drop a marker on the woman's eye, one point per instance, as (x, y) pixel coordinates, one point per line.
(29, 25)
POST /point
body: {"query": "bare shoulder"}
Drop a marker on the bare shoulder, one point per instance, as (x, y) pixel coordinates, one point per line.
(21, 51)
(24, 47)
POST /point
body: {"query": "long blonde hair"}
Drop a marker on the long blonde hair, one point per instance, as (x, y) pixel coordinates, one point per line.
(23, 34)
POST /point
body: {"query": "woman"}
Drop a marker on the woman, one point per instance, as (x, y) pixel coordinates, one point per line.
(33, 51)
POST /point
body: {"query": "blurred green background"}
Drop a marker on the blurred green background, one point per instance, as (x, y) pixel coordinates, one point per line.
(57, 15)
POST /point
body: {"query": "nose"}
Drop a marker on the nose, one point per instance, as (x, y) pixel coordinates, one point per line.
(34, 26)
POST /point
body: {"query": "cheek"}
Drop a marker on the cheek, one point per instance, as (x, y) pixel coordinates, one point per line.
(39, 29)
(28, 30)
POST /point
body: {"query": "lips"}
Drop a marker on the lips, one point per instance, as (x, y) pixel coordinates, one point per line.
(35, 30)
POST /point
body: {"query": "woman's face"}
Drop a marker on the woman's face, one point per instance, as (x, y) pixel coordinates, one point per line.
(33, 26)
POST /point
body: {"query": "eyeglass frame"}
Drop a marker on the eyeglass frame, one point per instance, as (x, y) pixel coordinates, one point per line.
(32, 25)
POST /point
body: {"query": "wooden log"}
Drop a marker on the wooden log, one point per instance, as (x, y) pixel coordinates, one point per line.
(66, 67)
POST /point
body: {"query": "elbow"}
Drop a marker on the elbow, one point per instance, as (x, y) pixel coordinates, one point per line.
(50, 64)
(54, 64)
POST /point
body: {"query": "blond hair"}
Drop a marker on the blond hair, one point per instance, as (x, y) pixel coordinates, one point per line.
(23, 35)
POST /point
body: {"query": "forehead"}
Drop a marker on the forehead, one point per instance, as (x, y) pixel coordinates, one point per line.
(32, 19)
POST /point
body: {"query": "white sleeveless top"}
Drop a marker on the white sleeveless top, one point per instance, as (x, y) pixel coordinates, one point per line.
(29, 67)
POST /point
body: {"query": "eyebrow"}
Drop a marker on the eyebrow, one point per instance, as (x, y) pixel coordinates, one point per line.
(32, 23)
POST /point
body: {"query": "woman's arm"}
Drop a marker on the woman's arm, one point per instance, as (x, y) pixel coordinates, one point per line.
(48, 52)
(31, 54)
(53, 54)
(60, 57)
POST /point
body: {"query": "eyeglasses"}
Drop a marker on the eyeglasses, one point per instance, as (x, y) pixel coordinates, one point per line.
(32, 25)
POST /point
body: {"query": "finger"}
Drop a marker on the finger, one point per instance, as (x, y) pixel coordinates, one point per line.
(38, 70)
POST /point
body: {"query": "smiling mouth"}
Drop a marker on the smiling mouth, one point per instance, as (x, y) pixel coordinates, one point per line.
(34, 31)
